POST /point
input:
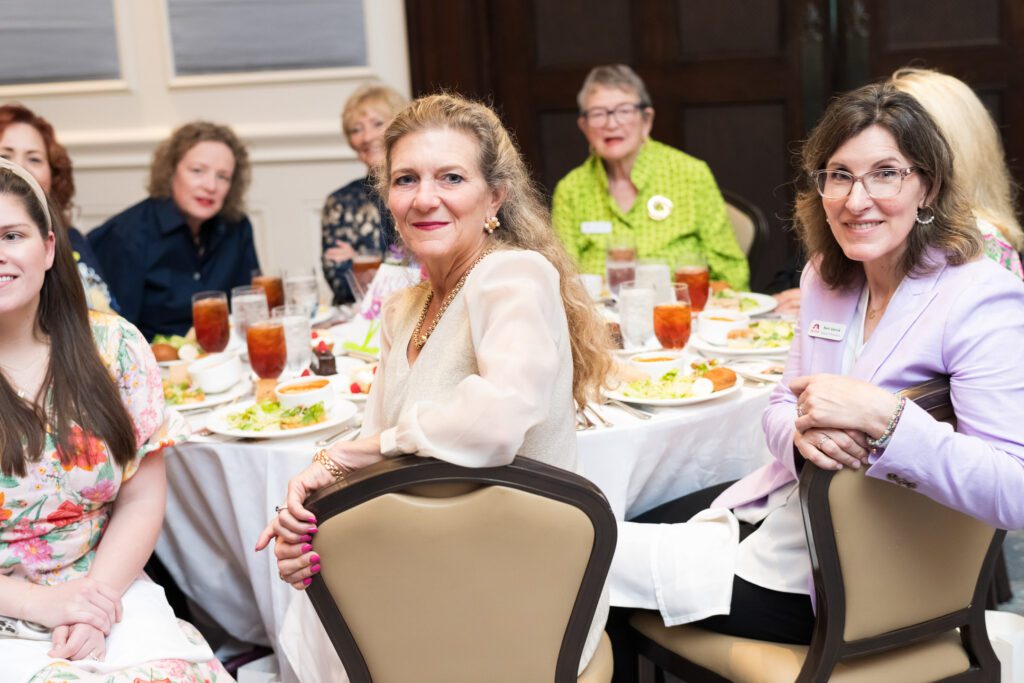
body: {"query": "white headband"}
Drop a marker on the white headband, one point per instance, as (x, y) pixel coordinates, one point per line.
(34, 184)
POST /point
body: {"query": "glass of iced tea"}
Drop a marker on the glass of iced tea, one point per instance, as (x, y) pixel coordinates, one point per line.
(365, 265)
(620, 263)
(272, 285)
(268, 352)
(692, 270)
(248, 304)
(210, 319)
(672, 318)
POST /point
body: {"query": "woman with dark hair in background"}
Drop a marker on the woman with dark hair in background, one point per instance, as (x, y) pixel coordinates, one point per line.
(190, 235)
(29, 141)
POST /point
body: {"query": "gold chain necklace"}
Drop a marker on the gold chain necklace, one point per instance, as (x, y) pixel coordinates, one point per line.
(420, 339)
(11, 370)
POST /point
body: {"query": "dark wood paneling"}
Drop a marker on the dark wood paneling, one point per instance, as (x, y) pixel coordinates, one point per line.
(710, 29)
(924, 24)
(601, 22)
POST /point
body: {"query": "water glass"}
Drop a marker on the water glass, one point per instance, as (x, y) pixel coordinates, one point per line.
(248, 305)
(654, 273)
(636, 313)
(297, 332)
(301, 289)
(620, 264)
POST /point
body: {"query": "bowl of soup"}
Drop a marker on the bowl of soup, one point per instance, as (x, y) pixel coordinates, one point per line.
(216, 372)
(714, 325)
(655, 364)
(305, 391)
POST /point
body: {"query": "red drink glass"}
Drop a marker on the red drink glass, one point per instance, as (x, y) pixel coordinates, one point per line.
(268, 352)
(272, 286)
(210, 319)
(364, 266)
(697, 279)
(672, 319)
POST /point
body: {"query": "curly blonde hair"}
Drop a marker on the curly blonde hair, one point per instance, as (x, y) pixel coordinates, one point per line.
(978, 158)
(525, 220)
(169, 154)
(920, 140)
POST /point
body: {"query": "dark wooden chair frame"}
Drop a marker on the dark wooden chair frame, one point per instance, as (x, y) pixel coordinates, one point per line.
(761, 231)
(827, 646)
(398, 474)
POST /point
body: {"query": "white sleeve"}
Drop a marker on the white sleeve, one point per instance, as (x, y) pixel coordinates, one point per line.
(518, 326)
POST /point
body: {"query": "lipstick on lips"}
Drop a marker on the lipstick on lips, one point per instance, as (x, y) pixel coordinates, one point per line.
(429, 225)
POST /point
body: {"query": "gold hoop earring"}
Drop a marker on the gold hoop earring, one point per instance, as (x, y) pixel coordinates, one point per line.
(491, 224)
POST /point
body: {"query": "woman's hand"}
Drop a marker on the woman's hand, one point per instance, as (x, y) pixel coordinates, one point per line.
(789, 302)
(80, 641)
(79, 601)
(294, 524)
(838, 402)
(339, 253)
(831, 449)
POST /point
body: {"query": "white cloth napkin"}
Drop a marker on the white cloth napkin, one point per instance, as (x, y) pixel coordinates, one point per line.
(685, 570)
(148, 631)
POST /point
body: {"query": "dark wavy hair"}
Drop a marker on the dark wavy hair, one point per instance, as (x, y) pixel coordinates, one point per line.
(81, 390)
(920, 140)
(62, 182)
(169, 154)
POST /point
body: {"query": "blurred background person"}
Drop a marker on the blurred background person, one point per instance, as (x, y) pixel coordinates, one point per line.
(481, 363)
(661, 200)
(29, 141)
(190, 235)
(978, 158)
(355, 219)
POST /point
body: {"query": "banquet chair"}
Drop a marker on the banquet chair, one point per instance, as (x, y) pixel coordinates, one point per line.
(748, 221)
(435, 572)
(900, 582)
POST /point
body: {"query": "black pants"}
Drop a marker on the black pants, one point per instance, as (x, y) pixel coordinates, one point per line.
(756, 612)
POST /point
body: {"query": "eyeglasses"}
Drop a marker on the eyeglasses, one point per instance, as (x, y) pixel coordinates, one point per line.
(624, 113)
(882, 183)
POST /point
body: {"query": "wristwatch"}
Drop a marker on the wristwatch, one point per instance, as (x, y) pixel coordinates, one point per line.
(16, 628)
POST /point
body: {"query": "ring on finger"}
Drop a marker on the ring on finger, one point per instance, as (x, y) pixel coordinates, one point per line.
(799, 410)
(822, 440)
(92, 656)
(278, 508)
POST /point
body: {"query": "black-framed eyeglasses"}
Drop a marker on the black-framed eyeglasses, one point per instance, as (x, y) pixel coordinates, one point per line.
(882, 183)
(623, 113)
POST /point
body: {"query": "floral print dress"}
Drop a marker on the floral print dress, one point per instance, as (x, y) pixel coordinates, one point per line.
(52, 520)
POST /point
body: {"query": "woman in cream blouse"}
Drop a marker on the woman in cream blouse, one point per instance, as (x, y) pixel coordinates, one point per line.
(483, 361)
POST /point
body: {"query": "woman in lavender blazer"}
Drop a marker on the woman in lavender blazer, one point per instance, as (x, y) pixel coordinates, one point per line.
(896, 293)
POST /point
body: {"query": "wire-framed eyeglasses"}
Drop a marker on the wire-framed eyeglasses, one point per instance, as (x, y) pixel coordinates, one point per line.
(882, 183)
(623, 113)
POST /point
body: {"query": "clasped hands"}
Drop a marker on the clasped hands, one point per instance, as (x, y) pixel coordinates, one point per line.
(835, 417)
(81, 613)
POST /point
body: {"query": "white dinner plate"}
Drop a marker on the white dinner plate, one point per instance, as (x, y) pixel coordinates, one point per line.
(218, 424)
(705, 347)
(765, 303)
(668, 402)
(755, 369)
(241, 388)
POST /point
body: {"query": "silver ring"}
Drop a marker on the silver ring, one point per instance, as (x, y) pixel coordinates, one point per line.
(278, 508)
(799, 410)
(822, 440)
(93, 657)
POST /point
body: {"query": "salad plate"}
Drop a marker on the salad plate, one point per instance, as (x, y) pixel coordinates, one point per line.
(759, 370)
(762, 338)
(620, 395)
(226, 421)
(750, 303)
(241, 388)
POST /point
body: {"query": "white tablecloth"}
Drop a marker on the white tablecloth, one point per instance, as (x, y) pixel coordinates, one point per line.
(221, 494)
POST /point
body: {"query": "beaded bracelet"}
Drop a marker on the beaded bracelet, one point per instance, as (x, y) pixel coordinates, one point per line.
(883, 440)
(329, 465)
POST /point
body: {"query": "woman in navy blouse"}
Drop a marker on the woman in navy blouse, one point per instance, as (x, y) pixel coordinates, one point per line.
(190, 235)
(29, 141)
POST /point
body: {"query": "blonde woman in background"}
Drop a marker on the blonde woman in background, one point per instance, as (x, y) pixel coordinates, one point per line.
(978, 158)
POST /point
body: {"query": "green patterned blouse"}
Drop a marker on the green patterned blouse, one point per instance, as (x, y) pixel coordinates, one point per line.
(587, 218)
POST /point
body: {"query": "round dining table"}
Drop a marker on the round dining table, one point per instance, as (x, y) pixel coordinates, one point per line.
(222, 491)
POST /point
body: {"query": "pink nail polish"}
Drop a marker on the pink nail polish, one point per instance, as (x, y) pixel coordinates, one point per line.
(311, 530)
(314, 559)
(306, 537)
(306, 548)
(311, 520)
(307, 581)
(315, 568)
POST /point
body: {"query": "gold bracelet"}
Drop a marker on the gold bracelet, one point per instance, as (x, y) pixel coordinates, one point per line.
(329, 465)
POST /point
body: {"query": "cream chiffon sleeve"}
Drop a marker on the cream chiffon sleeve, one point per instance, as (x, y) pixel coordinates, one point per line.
(519, 333)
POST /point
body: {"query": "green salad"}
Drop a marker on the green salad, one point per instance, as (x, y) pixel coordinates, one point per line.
(271, 415)
(733, 300)
(671, 385)
(763, 334)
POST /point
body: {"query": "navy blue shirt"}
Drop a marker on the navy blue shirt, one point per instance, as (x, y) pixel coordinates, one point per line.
(153, 267)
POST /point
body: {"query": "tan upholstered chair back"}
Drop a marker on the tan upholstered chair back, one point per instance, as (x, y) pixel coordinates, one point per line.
(905, 559)
(444, 582)
(748, 222)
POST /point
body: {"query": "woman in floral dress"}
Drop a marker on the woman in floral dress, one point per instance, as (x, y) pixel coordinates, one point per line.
(81, 477)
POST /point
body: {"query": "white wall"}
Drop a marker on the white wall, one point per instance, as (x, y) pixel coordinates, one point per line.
(290, 120)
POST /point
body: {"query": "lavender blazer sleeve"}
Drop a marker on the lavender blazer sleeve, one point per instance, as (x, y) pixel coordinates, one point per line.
(965, 322)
